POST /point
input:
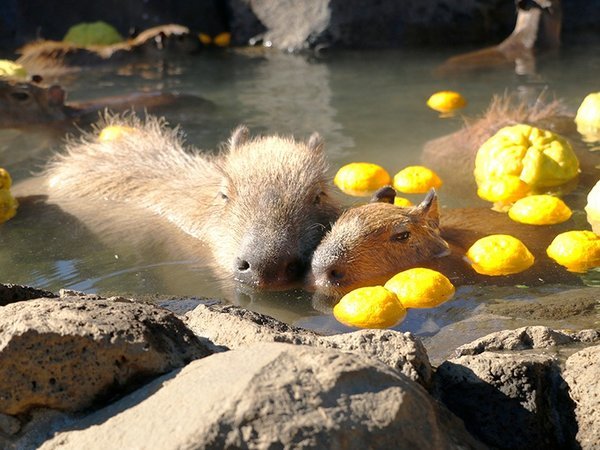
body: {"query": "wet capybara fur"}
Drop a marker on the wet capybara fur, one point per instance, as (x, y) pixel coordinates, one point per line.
(369, 244)
(452, 156)
(262, 205)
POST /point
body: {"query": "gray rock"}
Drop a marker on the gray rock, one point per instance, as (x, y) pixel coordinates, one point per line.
(10, 293)
(509, 401)
(526, 338)
(273, 396)
(233, 327)
(69, 353)
(582, 374)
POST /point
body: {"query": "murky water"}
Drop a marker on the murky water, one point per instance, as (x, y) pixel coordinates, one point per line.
(368, 106)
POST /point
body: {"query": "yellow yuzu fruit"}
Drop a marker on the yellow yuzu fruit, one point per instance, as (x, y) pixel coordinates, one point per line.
(499, 254)
(540, 210)
(578, 251)
(446, 101)
(370, 307)
(416, 180)
(361, 178)
(421, 288)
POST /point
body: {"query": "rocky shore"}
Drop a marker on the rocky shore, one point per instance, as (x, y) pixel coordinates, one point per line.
(82, 371)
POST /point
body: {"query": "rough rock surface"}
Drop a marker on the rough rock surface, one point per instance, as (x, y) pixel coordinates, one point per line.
(509, 401)
(233, 327)
(68, 353)
(273, 396)
(582, 374)
(10, 293)
(293, 24)
(527, 338)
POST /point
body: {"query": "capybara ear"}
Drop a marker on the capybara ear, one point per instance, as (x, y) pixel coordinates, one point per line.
(429, 209)
(239, 137)
(386, 194)
(315, 142)
(56, 95)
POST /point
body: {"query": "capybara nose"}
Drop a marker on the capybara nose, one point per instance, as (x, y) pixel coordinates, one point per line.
(328, 276)
(269, 272)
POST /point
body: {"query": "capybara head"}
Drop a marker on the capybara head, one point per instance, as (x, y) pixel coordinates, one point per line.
(369, 244)
(271, 207)
(26, 102)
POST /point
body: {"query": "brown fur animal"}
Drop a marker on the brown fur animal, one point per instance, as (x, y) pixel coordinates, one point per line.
(24, 103)
(262, 205)
(53, 57)
(537, 28)
(453, 156)
(369, 244)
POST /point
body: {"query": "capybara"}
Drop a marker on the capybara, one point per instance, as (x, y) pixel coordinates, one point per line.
(23, 103)
(262, 205)
(369, 244)
(53, 57)
(537, 27)
(452, 156)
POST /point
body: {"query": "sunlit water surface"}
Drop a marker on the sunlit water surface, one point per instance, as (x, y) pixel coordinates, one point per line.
(369, 106)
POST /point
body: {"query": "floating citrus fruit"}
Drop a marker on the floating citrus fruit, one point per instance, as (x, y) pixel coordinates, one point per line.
(114, 132)
(5, 179)
(593, 207)
(540, 210)
(10, 69)
(416, 180)
(508, 188)
(361, 179)
(499, 254)
(446, 101)
(588, 117)
(370, 307)
(578, 251)
(402, 202)
(538, 157)
(421, 288)
(8, 205)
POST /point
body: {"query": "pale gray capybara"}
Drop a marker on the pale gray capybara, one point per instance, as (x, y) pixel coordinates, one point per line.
(262, 205)
(369, 244)
(25, 103)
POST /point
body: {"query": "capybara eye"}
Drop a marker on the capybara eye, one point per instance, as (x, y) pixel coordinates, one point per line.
(404, 235)
(20, 96)
(223, 196)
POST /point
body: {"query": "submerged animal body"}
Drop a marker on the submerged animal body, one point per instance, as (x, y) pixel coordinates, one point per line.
(537, 27)
(50, 57)
(369, 244)
(24, 103)
(262, 205)
(453, 156)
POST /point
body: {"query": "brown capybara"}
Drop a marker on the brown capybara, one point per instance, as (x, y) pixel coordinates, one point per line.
(54, 57)
(537, 27)
(24, 103)
(262, 205)
(369, 244)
